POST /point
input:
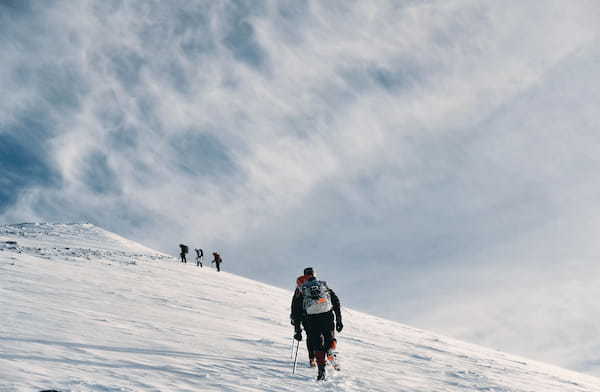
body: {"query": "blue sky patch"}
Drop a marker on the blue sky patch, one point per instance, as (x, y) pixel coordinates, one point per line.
(21, 167)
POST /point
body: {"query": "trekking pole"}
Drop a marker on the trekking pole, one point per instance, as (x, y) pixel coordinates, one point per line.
(296, 358)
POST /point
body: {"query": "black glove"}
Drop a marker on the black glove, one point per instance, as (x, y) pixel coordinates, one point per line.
(339, 326)
(297, 332)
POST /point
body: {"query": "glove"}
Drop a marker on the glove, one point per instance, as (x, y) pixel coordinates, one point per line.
(297, 332)
(339, 326)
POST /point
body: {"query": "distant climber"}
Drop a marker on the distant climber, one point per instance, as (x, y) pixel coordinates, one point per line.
(315, 308)
(217, 261)
(184, 251)
(199, 255)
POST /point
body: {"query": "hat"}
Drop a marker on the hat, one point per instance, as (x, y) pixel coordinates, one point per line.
(309, 271)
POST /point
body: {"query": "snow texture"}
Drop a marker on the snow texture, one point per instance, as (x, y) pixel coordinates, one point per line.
(83, 309)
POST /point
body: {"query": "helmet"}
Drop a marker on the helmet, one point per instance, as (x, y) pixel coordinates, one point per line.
(309, 271)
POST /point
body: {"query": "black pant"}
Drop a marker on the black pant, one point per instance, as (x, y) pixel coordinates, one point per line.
(320, 332)
(183, 259)
(218, 267)
(309, 346)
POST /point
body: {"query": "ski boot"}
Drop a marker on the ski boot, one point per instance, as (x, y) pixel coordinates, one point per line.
(321, 374)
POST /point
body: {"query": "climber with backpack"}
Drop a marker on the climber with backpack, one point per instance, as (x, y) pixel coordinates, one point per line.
(315, 308)
(199, 255)
(184, 251)
(217, 260)
(299, 282)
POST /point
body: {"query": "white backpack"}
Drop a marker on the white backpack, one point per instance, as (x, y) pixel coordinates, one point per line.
(316, 297)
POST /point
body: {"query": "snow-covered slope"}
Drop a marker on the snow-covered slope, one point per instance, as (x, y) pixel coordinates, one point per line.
(74, 235)
(85, 310)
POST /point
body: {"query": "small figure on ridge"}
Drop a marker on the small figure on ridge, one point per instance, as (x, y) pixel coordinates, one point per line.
(217, 261)
(184, 251)
(199, 255)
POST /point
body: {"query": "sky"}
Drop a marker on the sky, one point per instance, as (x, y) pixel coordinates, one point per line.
(436, 161)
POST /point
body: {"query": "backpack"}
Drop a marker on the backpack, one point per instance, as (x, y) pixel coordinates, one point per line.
(316, 298)
(184, 248)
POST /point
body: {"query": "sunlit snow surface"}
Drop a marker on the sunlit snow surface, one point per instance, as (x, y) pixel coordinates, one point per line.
(83, 309)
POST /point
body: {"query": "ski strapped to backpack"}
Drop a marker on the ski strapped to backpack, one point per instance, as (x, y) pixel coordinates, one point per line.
(316, 297)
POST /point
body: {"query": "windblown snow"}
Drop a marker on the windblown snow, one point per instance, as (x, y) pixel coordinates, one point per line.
(83, 309)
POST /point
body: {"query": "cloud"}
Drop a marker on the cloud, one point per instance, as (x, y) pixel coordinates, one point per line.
(21, 168)
(400, 148)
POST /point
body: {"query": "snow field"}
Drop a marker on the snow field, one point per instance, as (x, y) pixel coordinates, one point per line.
(108, 314)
